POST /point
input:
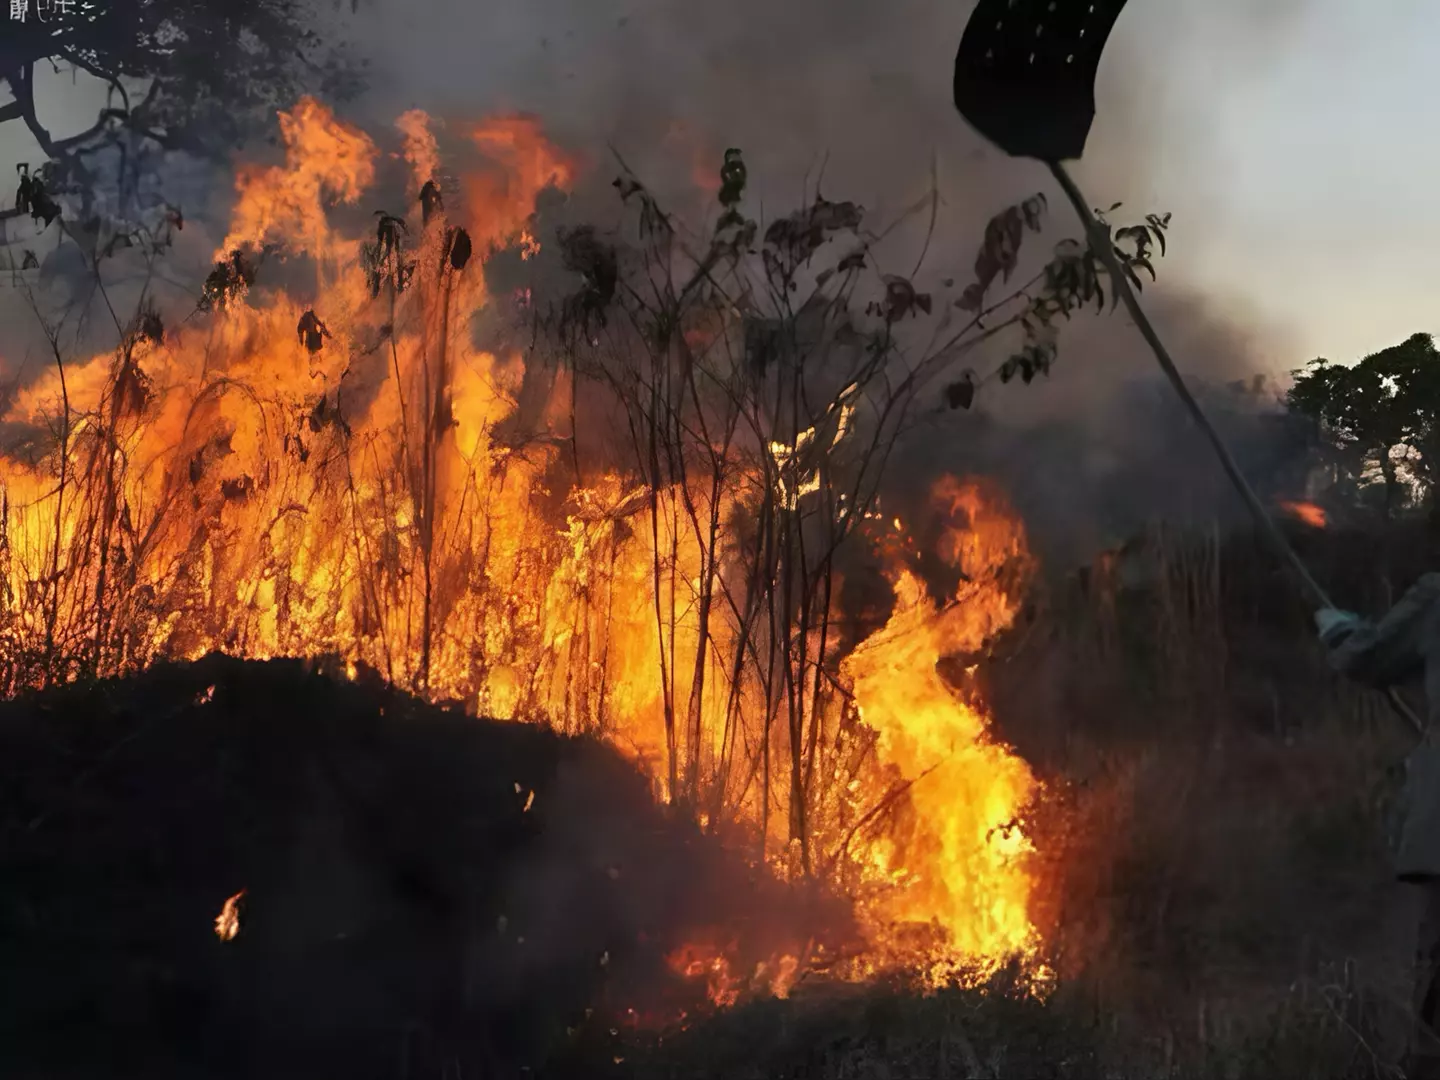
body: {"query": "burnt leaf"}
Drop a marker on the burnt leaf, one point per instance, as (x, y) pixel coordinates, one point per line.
(900, 300)
(457, 248)
(237, 489)
(1034, 359)
(431, 201)
(230, 278)
(960, 394)
(793, 239)
(732, 178)
(597, 263)
(972, 297)
(999, 253)
(312, 332)
(132, 388)
(388, 232)
(653, 220)
(148, 325)
(31, 196)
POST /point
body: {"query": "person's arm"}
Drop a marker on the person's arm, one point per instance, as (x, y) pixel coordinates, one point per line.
(1390, 651)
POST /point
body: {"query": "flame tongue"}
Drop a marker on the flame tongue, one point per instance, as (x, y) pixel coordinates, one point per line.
(346, 493)
(958, 857)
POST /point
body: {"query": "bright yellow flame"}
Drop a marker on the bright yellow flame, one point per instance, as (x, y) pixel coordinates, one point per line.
(959, 858)
(361, 501)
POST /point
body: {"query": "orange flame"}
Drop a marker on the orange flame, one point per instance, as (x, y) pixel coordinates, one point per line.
(253, 494)
(1308, 512)
(958, 860)
(227, 923)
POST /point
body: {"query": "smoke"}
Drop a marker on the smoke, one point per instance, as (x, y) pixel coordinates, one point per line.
(855, 97)
(852, 97)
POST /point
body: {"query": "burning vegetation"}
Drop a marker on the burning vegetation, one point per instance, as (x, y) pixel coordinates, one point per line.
(521, 485)
(367, 487)
(339, 468)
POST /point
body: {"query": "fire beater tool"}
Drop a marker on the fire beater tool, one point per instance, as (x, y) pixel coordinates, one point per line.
(1025, 79)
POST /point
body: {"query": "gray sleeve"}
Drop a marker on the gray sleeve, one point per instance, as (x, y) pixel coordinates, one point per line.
(1394, 649)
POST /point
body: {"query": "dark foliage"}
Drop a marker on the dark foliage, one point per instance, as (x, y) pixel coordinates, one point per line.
(422, 888)
(312, 332)
(228, 280)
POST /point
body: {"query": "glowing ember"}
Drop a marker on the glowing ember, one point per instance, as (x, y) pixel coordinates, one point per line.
(1308, 512)
(711, 964)
(227, 923)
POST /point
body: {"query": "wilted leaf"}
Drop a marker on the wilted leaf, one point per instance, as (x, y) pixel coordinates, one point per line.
(972, 297)
(900, 300)
(797, 237)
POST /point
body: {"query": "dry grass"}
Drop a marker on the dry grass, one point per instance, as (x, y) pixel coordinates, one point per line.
(1219, 900)
(1218, 896)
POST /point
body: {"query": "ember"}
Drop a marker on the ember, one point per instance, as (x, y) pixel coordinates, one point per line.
(1307, 512)
(227, 923)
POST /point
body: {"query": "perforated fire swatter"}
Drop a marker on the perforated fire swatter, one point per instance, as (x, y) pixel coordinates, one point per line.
(1025, 79)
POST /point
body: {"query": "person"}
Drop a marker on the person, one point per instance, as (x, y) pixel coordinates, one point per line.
(1402, 647)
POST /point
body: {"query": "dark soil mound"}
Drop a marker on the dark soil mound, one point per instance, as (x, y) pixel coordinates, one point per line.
(405, 914)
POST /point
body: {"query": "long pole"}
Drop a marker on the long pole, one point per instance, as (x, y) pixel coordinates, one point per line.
(1101, 243)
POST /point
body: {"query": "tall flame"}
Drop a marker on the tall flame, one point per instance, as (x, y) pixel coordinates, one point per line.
(961, 854)
(240, 486)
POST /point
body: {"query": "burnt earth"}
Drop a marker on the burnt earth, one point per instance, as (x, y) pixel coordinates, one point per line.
(404, 914)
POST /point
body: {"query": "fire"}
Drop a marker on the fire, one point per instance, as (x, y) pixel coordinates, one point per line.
(959, 857)
(325, 161)
(1308, 512)
(227, 485)
(227, 923)
(724, 986)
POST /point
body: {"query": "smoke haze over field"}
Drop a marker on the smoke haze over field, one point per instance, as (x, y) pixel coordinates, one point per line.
(862, 90)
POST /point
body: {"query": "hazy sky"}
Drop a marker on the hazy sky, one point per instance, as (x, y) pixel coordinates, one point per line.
(1290, 138)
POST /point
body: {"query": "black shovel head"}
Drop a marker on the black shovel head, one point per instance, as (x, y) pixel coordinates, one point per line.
(1025, 73)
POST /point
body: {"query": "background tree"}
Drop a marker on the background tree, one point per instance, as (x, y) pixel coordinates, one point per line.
(1382, 413)
(181, 75)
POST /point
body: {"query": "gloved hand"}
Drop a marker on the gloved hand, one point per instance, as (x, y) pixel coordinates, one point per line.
(1335, 625)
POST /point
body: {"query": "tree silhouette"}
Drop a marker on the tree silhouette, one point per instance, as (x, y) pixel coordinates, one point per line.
(182, 74)
(1385, 405)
